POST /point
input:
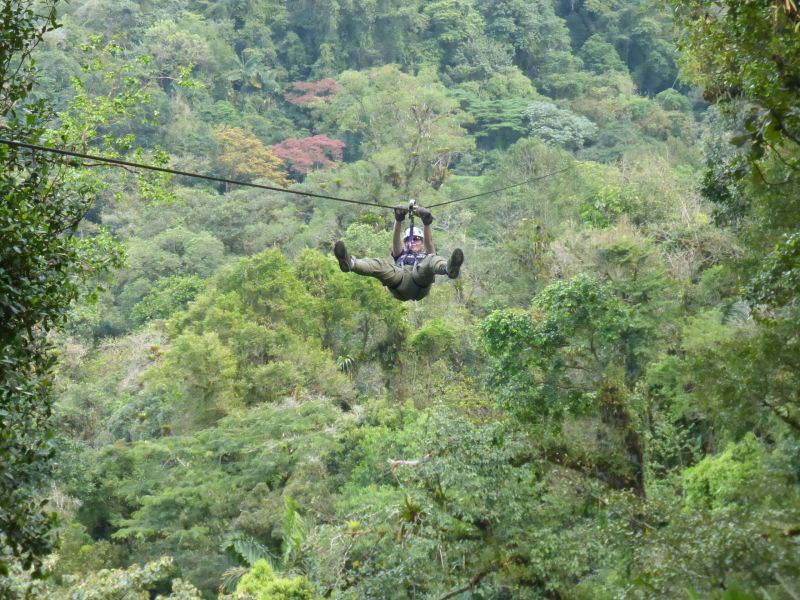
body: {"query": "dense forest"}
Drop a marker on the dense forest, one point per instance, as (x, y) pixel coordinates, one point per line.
(196, 402)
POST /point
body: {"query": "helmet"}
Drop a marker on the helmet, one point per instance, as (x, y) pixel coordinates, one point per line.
(417, 232)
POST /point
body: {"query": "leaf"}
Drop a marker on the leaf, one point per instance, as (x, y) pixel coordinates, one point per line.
(740, 139)
(245, 549)
(294, 529)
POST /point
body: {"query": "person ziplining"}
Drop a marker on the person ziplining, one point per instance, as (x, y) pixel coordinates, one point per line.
(415, 264)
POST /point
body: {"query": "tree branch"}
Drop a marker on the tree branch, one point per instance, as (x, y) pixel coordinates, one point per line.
(476, 579)
(782, 414)
(402, 463)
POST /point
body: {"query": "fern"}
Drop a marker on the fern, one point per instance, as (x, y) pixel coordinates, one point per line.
(246, 550)
(294, 529)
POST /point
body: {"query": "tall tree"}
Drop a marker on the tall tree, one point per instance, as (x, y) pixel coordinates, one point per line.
(45, 261)
(39, 264)
(744, 55)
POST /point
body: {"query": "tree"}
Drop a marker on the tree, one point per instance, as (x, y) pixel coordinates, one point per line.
(532, 29)
(600, 56)
(564, 359)
(305, 154)
(49, 256)
(42, 263)
(244, 155)
(261, 583)
(169, 295)
(309, 92)
(747, 52)
(404, 127)
(497, 106)
(744, 56)
(558, 126)
(548, 364)
(638, 32)
(135, 582)
(445, 502)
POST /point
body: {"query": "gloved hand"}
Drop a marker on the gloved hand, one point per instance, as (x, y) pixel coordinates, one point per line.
(400, 212)
(425, 215)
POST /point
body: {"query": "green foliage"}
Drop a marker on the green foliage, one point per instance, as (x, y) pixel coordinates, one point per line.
(778, 283)
(745, 52)
(605, 208)
(261, 583)
(245, 549)
(750, 378)
(455, 493)
(294, 529)
(543, 364)
(169, 295)
(603, 405)
(359, 319)
(639, 32)
(43, 264)
(559, 127)
(205, 369)
(434, 338)
(673, 100)
(532, 30)
(211, 483)
(717, 480)
(600, 56)
(135, 582)
(403, 126)
(497, 123)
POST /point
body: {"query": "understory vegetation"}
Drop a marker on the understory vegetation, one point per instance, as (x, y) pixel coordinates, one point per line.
(196, 402)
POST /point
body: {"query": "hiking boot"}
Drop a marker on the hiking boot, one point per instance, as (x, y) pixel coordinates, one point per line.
(455, 262)
(345, 260)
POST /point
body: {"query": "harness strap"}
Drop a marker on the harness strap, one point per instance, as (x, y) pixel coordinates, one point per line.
(411, 208)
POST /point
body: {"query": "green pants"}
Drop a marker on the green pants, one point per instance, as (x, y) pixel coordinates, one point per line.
(406, 282)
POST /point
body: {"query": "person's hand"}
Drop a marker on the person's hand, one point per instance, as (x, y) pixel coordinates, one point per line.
(425, 215)
(400, 212)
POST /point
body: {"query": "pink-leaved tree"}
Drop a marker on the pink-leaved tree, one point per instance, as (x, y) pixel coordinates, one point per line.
(308, 92)
(305, 154)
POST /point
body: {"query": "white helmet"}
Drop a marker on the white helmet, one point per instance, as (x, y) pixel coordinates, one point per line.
(417, 232)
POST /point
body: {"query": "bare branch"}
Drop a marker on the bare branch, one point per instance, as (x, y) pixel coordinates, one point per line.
(476, 579)
(402, 463)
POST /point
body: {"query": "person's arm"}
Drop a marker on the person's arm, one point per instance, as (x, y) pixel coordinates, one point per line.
(397, 239)
(400, 212)
(428, 241)
(427, 218)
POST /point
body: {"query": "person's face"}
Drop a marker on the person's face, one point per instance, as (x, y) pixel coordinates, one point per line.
(416, 243)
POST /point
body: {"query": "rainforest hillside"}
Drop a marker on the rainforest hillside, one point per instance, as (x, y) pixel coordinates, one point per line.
(196, 402)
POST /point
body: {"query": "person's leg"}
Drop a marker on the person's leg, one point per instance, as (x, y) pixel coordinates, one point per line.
(384, 271)
(425, 272)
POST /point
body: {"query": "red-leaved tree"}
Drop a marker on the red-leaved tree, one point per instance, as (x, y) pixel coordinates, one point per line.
(305, 154)
(307, 92)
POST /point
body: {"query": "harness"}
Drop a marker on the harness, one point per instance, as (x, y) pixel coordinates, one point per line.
(407, 258)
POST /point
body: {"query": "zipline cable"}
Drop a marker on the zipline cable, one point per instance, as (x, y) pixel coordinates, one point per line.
(133, 165)
(508, 187)
(125, 163)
